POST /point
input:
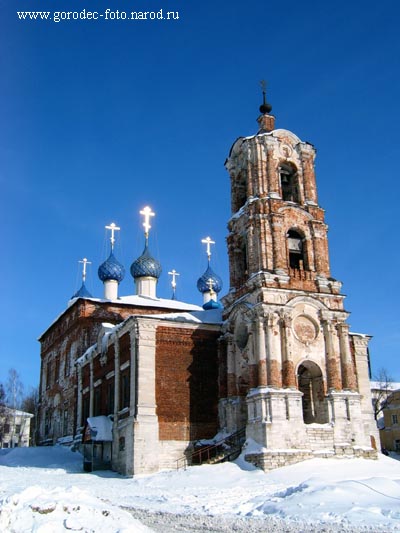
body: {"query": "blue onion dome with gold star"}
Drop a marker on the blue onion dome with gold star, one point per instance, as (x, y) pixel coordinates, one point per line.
(111, 269)
(146, 265)
(82, 292)
(209, 280)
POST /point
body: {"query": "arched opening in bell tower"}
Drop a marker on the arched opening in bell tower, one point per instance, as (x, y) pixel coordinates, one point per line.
(241, 260)
(296, 251)
(311, 383)
(289, 183)
(239, 192)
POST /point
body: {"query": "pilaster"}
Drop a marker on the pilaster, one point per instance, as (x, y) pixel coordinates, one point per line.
(274, 351)
(79, 399)
(288, 371)
(332, 355)
(145, 433)
(280, 261)
(91, 387)
(349, 378)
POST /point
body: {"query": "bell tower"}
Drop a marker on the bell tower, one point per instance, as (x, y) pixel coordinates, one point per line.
(287, 357)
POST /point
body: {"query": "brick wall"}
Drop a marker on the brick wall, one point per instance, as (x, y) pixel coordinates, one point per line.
(186, 383)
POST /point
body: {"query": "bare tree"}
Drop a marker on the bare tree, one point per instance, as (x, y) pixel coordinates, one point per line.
(2, 412)
(381, 397)
(14, 390)
(30, 404)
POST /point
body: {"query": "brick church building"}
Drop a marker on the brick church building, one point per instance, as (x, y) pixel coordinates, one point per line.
(151, 377)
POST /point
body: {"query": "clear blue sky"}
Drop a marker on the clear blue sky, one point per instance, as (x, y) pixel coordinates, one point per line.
(101, 118)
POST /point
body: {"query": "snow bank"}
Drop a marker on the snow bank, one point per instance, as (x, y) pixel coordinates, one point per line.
(44, 489)
(40, 510)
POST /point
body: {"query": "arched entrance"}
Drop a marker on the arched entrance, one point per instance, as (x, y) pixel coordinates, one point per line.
(311, 384)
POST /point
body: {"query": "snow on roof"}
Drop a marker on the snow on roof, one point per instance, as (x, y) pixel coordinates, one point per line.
(17, 412)
(100, 428)
(139, 301)
(147, 301)
(390, 385)
(211, 316)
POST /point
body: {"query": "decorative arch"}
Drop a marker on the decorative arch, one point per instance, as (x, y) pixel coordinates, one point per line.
(313, 302)
(310, 382)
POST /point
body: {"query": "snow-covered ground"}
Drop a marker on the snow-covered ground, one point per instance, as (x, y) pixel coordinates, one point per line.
(44, 490)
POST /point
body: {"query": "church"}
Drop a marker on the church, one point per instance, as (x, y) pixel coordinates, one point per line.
(142, 381)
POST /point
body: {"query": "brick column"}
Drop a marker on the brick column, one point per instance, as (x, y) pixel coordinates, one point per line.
(91, 388)
(310, 188)
(274, 351)
(132, 378)
(278, 242)
(349, 378)
(320, 245)
(272, 174)
(116, 379)
(332, 355)
(252, 254)
(288, 373)
(222, 368)
(231, 369)
(79, 400)
(262, 352)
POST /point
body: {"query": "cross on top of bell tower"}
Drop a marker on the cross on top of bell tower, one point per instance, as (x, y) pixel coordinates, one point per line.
(265, 107)
(265, 120)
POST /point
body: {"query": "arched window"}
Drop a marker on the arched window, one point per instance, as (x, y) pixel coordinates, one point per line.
(239, 192)
(241, 260)
(297, 257)
(289, 183)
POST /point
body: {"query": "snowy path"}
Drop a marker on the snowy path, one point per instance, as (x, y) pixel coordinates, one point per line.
(172, 523)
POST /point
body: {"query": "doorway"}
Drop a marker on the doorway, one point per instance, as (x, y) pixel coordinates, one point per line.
(311, 384)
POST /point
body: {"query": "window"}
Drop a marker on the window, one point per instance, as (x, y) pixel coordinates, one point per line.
(110, 398)
(289, 186)
(239, 191)
(57, 370)
(296, 250)
(17, 429)
(65, 422)
(67, 365)
(85, 408)
(97, 402)
(395, 419)
(6, 428)
(48, 375)
(125, 391)
(47, 423)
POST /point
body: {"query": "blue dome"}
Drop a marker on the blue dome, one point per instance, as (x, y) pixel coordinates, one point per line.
(203, 283)
(111, 269)
(212, 304)
(82, 293)
(146, 265)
